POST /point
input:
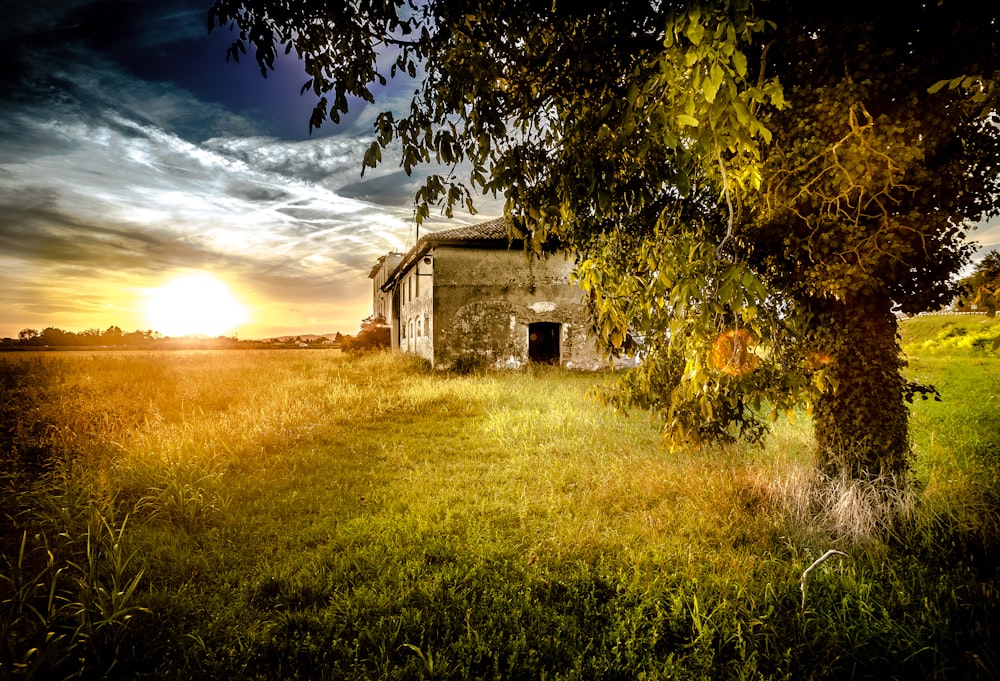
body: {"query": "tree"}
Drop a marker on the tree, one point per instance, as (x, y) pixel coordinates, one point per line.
(90, 337)
(981, 289)
(56, 337)
(374, 335)
(750, 188)
(112, 336)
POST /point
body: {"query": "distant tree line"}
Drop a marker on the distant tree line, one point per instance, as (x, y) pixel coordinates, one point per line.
(53, 337)
(309, 340)
(113, 336)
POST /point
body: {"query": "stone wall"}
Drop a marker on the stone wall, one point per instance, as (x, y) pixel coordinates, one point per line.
(485, 299)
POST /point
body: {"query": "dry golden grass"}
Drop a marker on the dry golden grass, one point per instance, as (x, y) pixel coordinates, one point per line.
(300, 510)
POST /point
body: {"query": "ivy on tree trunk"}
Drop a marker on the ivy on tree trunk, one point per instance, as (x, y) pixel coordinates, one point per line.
(861, 424)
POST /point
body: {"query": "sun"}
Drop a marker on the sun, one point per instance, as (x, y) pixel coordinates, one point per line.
(195, 304)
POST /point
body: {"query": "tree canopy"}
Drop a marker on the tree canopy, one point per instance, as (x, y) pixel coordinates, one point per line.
(373, 336)
(751, 188)
(981, 289)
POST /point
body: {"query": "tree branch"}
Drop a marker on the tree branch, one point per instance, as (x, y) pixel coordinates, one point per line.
(818, 561)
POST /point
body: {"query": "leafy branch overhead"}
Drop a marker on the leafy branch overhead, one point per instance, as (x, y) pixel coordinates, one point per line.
(769, 178)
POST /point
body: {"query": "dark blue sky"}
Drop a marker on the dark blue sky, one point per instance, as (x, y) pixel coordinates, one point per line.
(131, 153)
(169, 43)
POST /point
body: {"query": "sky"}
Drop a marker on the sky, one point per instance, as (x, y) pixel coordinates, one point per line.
(144, 180)
(136, 163)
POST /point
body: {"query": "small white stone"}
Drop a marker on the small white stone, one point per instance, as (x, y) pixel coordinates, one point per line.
(543, 306)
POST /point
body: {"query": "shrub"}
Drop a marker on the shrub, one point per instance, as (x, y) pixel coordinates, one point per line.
(374, 335)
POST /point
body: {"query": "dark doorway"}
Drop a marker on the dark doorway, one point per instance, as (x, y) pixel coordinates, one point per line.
(543, 342)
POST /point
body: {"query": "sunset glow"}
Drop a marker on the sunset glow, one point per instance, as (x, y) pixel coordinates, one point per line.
(195, 304)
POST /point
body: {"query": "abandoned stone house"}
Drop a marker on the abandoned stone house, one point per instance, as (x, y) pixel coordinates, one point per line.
(471, 297)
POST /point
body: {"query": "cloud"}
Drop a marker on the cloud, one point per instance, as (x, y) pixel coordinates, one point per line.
(120, 174)
(987, 235)
(89, 188)
(130, 151)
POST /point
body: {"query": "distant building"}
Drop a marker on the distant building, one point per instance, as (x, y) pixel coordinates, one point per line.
(471, 297)
(379, 274)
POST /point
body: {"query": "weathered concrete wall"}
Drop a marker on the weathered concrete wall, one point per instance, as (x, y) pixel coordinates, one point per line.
(382, 301)
(484, 300)
(416, 312)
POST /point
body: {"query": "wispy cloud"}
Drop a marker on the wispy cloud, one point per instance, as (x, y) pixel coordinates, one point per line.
(88, 183)
(987, 235)
(129, 151)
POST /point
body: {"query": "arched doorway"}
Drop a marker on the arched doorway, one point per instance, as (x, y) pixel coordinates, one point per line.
(543, 342)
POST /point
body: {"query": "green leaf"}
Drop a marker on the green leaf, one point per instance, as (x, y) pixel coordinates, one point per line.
(740, 63)
(937, 87)
(683, 182)
(711, 85)
(777, 96)
(373, 156)
(695, 32)
(685, 119)
(742, 112)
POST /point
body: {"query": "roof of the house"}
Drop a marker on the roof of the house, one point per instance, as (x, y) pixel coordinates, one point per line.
(381, 262)
(494, 230)
(491, 233)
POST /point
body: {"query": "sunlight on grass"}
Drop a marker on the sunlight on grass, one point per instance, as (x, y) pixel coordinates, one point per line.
(285, 512)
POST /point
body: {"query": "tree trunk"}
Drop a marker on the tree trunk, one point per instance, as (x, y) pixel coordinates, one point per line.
(861, 426)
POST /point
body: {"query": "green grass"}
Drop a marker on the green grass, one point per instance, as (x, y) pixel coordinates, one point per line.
(950, 333)
(295, 515)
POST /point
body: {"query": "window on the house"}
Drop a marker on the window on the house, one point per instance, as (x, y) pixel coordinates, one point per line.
(416, 284)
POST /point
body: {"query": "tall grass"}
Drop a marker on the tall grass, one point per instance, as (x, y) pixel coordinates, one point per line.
(958, 439)
(298, 515)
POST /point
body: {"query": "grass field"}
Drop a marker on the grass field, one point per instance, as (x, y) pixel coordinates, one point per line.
(301, 515)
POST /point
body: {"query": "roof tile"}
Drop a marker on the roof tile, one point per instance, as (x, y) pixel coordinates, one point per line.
(484, 231)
